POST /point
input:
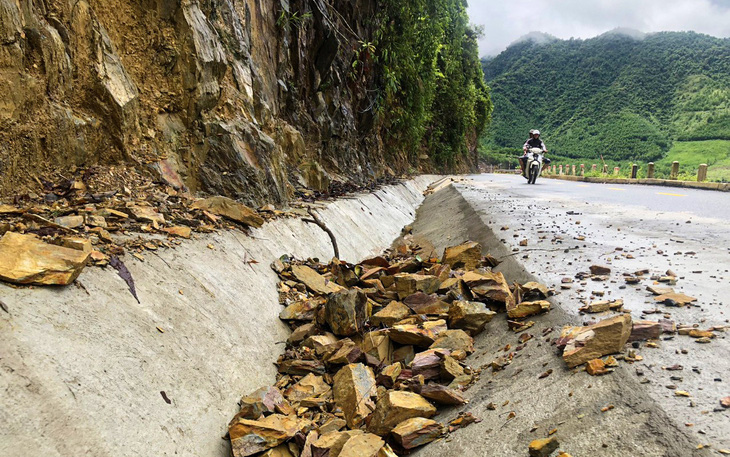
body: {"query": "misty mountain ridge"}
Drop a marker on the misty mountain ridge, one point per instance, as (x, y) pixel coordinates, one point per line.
(628, 94)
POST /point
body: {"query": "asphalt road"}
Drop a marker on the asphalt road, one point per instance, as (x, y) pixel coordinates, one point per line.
(703, 203)
(557, 229)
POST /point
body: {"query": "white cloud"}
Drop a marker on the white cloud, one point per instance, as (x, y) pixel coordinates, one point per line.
(504, 20)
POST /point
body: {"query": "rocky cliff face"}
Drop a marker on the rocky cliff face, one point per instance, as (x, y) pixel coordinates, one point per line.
(236, 97)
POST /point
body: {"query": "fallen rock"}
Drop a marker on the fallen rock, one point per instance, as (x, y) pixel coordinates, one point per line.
(596, 367)
(602, 306)
(467, 256)
(389, 374)
(388, 316)
(600, 270)
(416, 431)
(309, 386)
(378, 345)
(440, 394)
(675, 299)
(362, 445)
(70, 221)
(249, 437)
(645, 330)
(146, 214)
(346, 352)
(301, 367)
(660, 290)
(418, 335)
(179, 231)
(395, 407)
(469, 316)
(347, 311)
(300, 310)
(606, 337)
(454, 340)
(533, 291)
(697, 333)
(725, 402)
(320, 343)
(421, 303)
(408, 284)
(543, 447)
(451, 369)
(331, 444)
(263, 400)
(528, 308)
(353, 388)
(314, 281)
(428, 363)
(25, 259)
(231, 209)
(489, 285)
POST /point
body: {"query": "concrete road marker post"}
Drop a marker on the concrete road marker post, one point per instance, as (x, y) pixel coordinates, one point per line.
(674, 174)
(650, 170)
(634, 171)
(702, 173)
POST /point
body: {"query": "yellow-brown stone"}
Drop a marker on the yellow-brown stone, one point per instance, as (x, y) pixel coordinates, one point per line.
(25, 259)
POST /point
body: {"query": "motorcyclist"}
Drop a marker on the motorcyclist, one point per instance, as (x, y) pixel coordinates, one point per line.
(533, 142)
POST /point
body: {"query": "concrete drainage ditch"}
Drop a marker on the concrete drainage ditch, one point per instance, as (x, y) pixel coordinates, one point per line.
(88, 370)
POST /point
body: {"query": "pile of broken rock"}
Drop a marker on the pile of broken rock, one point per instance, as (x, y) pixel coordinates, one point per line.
(374, 348)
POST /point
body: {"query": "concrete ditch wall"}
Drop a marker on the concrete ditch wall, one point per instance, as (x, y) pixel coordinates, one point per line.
(82, 368)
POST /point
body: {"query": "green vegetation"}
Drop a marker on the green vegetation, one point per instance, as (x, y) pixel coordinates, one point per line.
(433, 95)
(629, 99)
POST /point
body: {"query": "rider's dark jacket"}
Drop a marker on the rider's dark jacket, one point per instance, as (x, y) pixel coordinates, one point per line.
(534, 143)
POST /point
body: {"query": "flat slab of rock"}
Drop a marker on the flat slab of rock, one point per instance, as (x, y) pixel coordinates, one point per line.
(263, 400)
(454, 340)
(309, 386)
(353, 388)
(660, 290)
(418, 334)
(675, 299)
(467, 256)
(416, 431)
(388, 316)
(231, 209)
(421, 303)
(602, 306)
(395, 407)
(347, 311)
(314, 281)
(528, 308)
(469, 316)
(606, 337)
(441, 394)
(25, 259)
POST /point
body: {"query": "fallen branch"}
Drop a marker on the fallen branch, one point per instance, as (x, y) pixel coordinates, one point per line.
(317, 221)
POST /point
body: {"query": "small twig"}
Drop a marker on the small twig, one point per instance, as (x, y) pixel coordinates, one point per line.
(317, 221)
(4, 307)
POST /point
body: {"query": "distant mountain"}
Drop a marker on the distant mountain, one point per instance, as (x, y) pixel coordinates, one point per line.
(627, 94)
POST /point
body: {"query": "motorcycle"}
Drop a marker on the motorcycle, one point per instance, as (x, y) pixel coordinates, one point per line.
(533, 165)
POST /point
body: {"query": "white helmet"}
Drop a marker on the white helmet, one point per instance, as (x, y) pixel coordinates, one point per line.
(535, 132)
(532, 131)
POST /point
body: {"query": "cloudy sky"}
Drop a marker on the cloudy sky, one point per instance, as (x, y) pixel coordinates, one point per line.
(506, 20)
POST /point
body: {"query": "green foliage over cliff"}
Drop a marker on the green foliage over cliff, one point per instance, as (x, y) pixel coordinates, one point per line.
(628, 98)
(433, 96)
